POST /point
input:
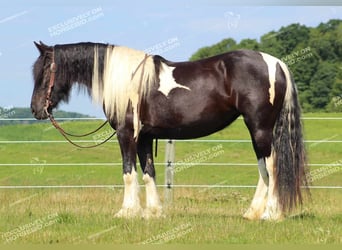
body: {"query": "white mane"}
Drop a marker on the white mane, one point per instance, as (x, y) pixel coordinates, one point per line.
(127, 76)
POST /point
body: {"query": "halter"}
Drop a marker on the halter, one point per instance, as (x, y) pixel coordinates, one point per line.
(53, 70)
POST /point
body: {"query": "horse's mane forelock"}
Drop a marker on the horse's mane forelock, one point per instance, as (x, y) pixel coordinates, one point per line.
(127, 76)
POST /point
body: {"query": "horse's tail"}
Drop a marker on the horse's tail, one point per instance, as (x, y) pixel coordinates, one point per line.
(288, 146)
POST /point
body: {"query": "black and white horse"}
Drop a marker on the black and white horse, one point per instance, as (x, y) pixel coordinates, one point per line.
(146, 97)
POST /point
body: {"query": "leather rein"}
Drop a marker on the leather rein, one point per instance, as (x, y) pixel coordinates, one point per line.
(53, 70)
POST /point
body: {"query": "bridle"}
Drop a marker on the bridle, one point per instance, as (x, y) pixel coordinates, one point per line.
(53, 70)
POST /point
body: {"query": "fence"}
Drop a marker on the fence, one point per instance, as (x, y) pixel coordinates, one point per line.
(169, 161)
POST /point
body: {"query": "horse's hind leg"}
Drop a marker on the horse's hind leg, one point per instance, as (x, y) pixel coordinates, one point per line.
(265, 204)
(261, 139)
(273, 210)
(153, 204)
(258, 204)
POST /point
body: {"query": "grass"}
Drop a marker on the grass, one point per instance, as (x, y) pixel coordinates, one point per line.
(196, 215)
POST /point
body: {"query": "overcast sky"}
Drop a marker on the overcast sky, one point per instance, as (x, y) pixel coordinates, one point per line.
(174, 29)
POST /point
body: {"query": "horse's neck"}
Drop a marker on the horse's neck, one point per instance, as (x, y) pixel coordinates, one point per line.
(75, 64)
(78, 72)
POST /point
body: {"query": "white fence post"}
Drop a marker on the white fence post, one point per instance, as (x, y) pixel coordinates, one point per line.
(169, 164)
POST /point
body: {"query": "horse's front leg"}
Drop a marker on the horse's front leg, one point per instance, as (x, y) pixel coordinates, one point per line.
(131, 203)
(153, 204)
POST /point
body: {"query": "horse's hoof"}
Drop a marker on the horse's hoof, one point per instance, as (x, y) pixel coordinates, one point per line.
(153, 212)
(252, 214)
(272, 216)
(129, 213)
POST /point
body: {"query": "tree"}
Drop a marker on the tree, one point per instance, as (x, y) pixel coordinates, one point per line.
(305, 67)
(314, 56)
(201, 53)
(251, 44)
(218, 48)
(270, 44)
(289, 37)
(327, 39)
(321, 85)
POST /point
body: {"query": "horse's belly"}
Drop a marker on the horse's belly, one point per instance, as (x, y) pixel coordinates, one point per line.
(198, 128)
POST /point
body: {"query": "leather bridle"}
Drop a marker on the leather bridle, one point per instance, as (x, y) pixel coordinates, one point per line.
(48, 102)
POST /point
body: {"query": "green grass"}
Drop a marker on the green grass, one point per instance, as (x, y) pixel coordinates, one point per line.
(197, 215)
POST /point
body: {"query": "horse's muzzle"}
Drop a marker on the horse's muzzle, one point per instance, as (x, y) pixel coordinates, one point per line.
(40, 114)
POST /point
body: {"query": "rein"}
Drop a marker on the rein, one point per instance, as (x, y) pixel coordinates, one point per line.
(53, 70)
(66, 134)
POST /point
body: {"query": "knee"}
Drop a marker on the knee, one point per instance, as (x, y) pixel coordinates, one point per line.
(149, 168)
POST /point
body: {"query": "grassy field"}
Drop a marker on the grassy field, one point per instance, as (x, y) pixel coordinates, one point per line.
(196, 215)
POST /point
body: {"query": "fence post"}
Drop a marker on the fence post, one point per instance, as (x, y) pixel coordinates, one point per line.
(169, 164)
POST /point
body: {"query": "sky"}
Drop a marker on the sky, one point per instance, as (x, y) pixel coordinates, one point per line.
(173, 29)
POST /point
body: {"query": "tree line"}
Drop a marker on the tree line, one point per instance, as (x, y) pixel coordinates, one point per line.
(9, 115)
(313, 54)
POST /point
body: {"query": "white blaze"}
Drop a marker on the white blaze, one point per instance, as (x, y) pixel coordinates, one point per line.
(167, 82)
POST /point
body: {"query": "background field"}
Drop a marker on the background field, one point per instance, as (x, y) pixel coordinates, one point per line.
(196, 215)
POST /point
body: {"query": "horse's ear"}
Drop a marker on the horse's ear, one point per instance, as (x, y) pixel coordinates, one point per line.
(42, 47)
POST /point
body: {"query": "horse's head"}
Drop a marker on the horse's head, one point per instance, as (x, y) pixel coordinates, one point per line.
(48, 90)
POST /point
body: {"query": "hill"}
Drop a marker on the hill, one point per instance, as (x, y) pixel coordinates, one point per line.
(314, 56)
(11, 112)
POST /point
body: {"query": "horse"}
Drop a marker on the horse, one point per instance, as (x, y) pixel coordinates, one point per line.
(146, 97)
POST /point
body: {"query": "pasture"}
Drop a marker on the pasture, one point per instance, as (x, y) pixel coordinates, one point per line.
(207, 205)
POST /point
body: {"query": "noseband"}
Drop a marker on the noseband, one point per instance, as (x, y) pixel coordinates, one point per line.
(48, 102)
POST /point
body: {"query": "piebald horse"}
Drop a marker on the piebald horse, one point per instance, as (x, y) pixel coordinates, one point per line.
(147, 97)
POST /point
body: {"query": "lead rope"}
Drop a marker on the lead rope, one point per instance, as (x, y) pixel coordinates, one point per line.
(65, 134)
